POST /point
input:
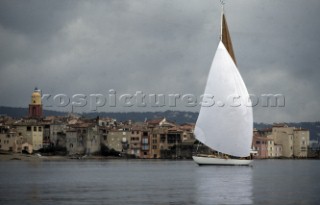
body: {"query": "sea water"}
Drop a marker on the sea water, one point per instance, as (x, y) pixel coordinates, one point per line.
(158, 182)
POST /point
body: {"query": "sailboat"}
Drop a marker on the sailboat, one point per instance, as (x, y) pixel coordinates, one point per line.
(226, 125)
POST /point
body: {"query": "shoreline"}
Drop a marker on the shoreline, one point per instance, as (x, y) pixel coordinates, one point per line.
(35, 157)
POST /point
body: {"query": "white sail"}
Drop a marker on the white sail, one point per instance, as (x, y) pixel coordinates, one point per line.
(229, 128)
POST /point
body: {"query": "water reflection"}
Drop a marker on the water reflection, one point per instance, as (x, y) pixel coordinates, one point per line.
(33, 193)
(286, 182)
(159, 182)
(224, 185)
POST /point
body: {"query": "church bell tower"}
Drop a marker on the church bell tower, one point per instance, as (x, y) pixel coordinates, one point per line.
(35, 107)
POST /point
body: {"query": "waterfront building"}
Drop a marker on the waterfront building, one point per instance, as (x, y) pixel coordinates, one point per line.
(145, 145)
(57, 133)
(314, 149)
(278, 150)
(32, 130)
(103, 132)
(188, 132)
(301, 139)
(260, 144)
(135, 140)
(270, 146)
(46, 134)
(283, 135)
(107, 122)
(273, 150)
(9, 140)
(82, 139)
(164, 137)
(291, 141)
(170, 141)
(119, 140)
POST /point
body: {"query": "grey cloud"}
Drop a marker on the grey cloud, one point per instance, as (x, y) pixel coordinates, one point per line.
(161, 46)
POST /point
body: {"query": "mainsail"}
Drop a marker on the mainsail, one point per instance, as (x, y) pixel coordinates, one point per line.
(228, 128)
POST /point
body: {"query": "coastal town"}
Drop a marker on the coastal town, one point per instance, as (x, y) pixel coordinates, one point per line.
(75, 136)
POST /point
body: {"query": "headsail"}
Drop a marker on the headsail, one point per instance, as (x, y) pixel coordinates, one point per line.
(229, 128)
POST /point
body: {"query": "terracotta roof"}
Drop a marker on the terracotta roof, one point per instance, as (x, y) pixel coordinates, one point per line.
(174, 129)
(155, 121)
(82, 125)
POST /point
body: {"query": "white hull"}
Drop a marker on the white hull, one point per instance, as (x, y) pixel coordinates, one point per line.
(220, 161)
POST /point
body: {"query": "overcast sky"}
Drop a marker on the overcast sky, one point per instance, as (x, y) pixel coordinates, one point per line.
(160, 46)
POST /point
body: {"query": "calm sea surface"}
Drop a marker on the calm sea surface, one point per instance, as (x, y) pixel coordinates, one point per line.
(158, 182)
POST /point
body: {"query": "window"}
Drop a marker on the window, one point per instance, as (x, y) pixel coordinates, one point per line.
(34, 128)
(162, 138)
(40, 129)
(145, 141)
(154, 147)
(173, 138)
(28, 128)
(257, 142)
(145, 147)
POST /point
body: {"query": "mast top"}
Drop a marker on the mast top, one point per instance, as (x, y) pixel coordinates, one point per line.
(222, 2)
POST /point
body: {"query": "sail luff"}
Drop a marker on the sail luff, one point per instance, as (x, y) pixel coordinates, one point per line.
(226, 38)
